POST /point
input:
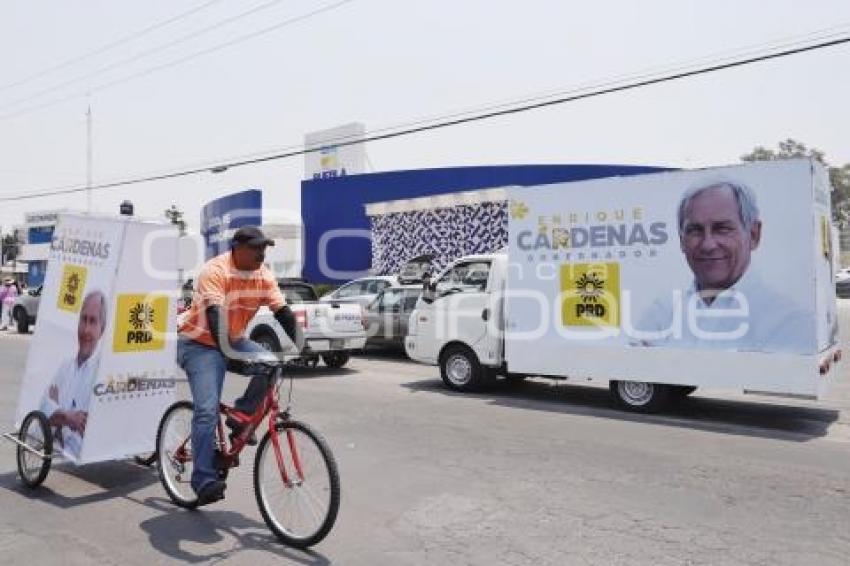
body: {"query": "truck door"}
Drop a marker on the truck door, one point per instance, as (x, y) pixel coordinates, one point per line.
(460, 298)
(491, 347)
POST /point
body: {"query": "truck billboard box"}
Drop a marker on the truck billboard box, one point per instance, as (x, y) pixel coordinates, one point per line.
(716, 277)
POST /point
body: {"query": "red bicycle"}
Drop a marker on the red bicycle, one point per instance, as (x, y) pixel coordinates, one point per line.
(296, 481)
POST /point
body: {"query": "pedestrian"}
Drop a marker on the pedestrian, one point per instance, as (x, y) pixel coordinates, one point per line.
(8, 294)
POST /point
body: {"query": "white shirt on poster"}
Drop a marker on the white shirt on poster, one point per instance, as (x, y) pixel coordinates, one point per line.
(749, 316)
(74, 384)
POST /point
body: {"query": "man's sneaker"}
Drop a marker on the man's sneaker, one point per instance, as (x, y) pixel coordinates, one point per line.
(211, 492)
(236, 429)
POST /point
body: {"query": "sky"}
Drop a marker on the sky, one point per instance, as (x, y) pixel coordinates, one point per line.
(384, 63)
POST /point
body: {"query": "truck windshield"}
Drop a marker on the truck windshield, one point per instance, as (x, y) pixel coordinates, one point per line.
(298, 294)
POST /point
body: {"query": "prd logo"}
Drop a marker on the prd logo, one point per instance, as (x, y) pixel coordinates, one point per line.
(591, 294)
(140, 323)
(71, 288)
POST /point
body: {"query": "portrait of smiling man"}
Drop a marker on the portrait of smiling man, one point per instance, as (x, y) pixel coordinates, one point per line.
(66, 401)
(727, 305)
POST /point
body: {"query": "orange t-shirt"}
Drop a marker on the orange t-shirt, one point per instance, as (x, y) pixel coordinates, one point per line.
(239, 293)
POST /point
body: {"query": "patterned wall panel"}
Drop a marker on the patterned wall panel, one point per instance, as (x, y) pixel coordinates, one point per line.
(447, 233)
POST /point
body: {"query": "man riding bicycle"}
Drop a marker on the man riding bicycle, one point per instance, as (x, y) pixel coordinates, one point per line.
(230, 289)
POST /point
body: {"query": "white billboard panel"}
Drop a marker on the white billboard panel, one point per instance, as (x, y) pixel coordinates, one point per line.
(706, 277)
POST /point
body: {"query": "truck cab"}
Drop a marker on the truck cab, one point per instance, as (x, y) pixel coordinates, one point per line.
(458, 321)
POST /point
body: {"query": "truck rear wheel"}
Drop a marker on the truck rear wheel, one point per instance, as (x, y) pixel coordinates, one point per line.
(640, 396)
(461, 370)
(335, 359)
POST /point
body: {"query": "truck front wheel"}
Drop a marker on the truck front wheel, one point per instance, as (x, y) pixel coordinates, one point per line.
(461, 370)
(640, 396)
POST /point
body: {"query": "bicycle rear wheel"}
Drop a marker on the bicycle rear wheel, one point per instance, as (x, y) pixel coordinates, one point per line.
(302, 509)
(174, 454)
(34, 458)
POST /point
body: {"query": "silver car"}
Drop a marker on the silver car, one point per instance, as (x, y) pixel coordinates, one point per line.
(362, 291)
(388, 315)
(25, 309)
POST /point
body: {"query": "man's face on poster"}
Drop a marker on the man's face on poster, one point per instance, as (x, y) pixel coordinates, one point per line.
(89, 327)
(714, 239)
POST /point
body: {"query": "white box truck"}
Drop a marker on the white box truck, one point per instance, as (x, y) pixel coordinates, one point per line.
(658, 284)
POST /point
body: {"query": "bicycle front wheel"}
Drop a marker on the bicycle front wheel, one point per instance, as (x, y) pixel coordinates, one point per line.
(297, 489)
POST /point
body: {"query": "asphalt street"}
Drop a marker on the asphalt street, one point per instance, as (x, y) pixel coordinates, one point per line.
(544, 473)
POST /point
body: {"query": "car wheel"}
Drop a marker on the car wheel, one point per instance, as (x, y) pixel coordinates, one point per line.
(640, 396)
(461, 370)
(335, 359)
(21, 319)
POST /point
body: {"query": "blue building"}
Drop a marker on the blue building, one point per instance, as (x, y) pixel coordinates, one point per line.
(342, 241)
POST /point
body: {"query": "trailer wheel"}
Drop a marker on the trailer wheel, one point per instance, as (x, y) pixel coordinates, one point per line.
(461, 370)
(640, 396)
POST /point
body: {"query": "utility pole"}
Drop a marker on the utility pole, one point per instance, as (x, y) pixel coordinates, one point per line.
(88, 158)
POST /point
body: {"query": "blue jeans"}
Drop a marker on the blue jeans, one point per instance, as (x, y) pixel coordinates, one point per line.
(205, 367)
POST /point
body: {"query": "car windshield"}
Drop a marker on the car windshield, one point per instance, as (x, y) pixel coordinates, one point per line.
(298, 293)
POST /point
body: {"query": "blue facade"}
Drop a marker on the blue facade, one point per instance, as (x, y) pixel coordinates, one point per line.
(35, 273)
(40, 234)
(339, 204)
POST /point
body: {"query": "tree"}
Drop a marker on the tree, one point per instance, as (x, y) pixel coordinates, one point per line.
(11, 247)
(175, 216)
(838, 176)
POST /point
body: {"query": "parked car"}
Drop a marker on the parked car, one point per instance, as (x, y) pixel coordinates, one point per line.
(361, 291)
(331, 330)
(843, 274)
(25, 309)
(388, 315)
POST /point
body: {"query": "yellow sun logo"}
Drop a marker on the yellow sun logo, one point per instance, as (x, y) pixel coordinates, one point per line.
(590, 287)
(141, 316)
(519, 210)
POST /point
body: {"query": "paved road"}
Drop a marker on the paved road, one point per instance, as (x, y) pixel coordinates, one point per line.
(541, 473)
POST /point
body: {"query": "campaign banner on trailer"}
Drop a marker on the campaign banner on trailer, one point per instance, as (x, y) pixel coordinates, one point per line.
(713, 260)
(138, 374)
(99, 302)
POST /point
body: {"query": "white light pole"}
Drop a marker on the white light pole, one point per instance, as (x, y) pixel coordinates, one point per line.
(88, 159)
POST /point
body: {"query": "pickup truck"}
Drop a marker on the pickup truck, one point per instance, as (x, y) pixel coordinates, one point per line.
(331, 330)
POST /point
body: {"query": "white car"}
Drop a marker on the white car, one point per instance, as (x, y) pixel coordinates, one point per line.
(361, 291)
(842, 275)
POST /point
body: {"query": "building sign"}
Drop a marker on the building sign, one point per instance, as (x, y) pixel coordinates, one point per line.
(221, 217)
(332, 158)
